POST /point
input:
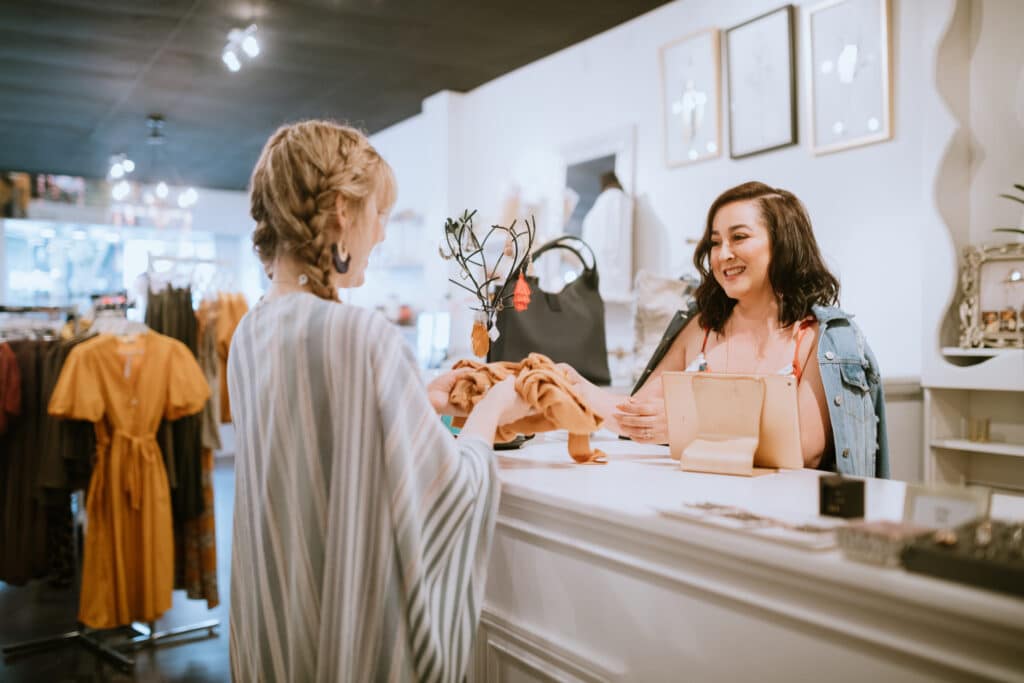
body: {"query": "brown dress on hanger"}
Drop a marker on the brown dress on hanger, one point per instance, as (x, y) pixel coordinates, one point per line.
(126, 388)
(22, 516)
(10, 386)
(232, 308)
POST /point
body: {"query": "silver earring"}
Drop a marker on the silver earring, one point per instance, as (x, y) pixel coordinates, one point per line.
(303, 280)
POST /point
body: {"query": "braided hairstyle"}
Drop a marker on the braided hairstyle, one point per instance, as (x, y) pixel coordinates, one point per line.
(303, 169)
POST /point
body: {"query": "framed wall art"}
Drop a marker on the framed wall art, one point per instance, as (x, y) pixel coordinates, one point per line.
(849, 74)
(690, 96)
(761, 67)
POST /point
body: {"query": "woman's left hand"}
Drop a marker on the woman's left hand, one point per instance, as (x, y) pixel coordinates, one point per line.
(439, 389)
(642, 420)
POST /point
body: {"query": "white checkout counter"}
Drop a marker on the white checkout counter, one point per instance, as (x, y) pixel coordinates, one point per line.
(588, 581)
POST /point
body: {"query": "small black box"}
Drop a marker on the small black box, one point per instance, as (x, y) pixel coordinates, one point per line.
(841, 497)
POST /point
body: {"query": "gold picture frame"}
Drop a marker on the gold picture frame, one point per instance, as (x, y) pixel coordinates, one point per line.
(691, 98)
(975, 330)
(849, 74)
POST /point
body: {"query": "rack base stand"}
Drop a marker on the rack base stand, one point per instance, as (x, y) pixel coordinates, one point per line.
(93, 640)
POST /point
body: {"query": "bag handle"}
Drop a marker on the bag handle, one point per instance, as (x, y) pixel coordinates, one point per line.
(562, 243)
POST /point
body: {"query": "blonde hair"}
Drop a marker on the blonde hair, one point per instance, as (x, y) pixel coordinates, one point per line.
(303, 169)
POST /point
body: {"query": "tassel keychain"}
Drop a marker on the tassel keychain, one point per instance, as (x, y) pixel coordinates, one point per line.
(481, 342)
(521, 294)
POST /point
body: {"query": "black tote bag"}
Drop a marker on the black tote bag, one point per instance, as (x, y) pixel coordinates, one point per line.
(567, 326)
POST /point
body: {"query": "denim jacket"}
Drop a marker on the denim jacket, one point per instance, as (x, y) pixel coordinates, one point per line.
(853, 388)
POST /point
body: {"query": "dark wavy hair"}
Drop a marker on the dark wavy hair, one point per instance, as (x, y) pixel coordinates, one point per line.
(797, 272)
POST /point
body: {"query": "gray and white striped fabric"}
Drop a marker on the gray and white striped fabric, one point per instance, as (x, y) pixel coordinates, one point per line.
(361, 528)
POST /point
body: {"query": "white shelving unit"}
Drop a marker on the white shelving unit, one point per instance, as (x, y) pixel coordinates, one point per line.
(975, 383)
(1013, 449)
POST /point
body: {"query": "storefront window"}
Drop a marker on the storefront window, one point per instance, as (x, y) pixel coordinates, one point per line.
(58, 264)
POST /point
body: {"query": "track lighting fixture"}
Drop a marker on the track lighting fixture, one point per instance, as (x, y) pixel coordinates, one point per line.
(241, 42)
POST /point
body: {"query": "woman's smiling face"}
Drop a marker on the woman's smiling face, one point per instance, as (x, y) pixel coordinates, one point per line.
(741, 249)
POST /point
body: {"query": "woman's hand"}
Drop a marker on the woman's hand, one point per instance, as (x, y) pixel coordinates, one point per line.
(578, 382)
(511, 405)
(642, 420)
(439, 389)
(500, 405)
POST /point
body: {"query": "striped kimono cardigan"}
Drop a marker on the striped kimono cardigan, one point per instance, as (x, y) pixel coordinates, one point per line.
(361, 527)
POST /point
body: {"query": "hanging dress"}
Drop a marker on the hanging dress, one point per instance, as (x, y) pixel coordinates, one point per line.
(126, 387)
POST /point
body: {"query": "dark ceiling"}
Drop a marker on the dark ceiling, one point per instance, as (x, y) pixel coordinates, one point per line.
(79, 77)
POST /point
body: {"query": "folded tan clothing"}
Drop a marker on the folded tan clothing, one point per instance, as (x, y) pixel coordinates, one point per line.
(546, 389)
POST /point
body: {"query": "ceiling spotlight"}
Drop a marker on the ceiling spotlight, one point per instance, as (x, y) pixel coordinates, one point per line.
(231, 59)
(250, 45)
(240, 41)
(161, 190)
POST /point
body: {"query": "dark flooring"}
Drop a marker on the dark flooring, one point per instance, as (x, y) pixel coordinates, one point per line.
(38, 611)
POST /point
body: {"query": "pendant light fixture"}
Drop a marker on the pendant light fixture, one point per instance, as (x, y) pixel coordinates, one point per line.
(154, 202)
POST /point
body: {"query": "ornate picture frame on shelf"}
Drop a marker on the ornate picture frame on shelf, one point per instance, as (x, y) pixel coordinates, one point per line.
(992, 296)
(849, 74)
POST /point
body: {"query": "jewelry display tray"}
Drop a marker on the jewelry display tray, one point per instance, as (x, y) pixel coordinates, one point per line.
(997, 565)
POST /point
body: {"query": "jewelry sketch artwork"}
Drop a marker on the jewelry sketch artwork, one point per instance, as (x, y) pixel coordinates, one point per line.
(760, 84)
(849, 73)
(690, 88)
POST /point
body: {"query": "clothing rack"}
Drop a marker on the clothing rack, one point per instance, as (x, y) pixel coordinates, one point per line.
(141, 635)
(52, 310)
(55, 314)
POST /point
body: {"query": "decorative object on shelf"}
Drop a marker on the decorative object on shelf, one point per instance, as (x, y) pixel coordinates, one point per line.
(879, 542)
(461, 244)
(984, 553)
(690, 96)
(849, 74)
(1019, 230)
(840, 496)
(978, 429)
(944, 506)
(991, 276)
(761, 66)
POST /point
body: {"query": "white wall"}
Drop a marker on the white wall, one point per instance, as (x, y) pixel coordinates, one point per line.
(869, 205)
(996, 116)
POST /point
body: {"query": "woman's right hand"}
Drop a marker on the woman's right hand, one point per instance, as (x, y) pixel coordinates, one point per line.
(510, 404)
(501, 405)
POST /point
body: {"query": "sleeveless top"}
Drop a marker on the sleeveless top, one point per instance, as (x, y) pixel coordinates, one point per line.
(700, 363)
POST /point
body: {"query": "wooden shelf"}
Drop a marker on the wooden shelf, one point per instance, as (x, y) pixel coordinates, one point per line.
(957, 352)
(990, 447)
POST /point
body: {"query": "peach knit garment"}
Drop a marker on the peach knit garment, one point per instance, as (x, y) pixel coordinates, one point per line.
(546, 389)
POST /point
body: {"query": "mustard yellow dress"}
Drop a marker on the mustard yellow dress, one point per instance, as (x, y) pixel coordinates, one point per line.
(125, 386)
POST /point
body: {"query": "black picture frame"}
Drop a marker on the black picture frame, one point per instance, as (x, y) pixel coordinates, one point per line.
(741, 107)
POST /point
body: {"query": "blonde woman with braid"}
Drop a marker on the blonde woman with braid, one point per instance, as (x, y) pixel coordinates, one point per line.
(361, 528)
